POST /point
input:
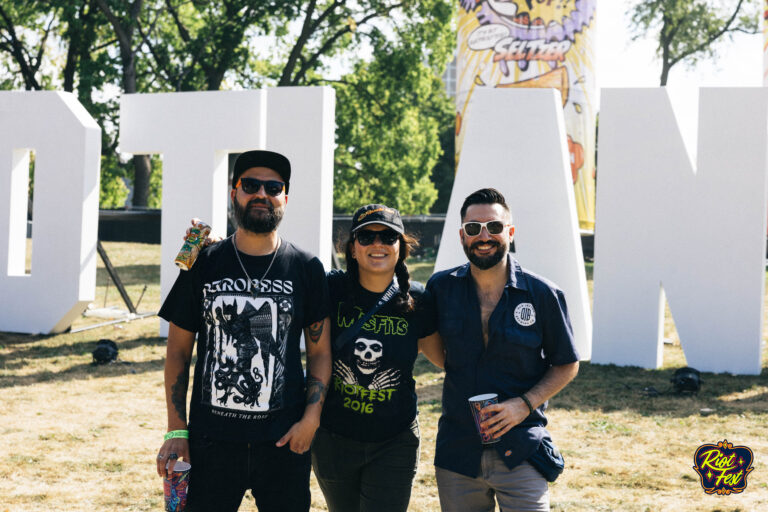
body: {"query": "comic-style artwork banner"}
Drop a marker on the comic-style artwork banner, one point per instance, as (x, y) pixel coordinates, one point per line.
(539, 44)
(765, 43)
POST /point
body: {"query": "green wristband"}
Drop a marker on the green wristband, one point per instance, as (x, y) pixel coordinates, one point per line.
(527, 402)
(173, 434)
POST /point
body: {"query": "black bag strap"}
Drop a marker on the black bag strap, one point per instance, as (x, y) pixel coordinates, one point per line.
(350, 332)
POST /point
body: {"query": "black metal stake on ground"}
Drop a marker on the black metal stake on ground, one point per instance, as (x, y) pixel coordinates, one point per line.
(115, 278)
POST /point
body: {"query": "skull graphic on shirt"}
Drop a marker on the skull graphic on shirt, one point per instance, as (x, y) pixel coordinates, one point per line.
(368, 355)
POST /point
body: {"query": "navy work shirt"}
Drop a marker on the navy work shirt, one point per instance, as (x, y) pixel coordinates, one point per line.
(528, 332)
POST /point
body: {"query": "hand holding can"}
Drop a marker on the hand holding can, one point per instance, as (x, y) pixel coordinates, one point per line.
(175, 487)
(193, 242)
(476, 404)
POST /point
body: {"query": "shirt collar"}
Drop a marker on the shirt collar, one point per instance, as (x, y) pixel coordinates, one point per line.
(516, 277)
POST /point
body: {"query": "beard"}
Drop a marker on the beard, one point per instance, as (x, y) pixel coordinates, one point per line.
(258, 220)
(485, 262)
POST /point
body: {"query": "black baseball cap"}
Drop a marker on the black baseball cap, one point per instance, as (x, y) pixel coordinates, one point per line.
(262, 158)
(377, 214)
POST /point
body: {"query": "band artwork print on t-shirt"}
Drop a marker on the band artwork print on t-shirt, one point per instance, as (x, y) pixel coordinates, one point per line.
(363, 379)
(244, 368)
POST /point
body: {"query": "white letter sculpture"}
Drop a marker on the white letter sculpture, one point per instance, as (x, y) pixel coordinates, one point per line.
(196, 131)
(516, 142)
(67, 145)
(301, 125)
(699, 234)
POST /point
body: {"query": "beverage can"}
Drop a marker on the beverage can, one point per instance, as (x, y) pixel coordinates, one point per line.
(193, 242)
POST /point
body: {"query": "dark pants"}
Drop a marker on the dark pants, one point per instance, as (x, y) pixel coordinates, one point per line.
(360, 476)
(222, 471)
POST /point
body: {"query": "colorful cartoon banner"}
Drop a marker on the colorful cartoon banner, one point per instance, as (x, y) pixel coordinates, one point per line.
(535, 43)
(765, 44)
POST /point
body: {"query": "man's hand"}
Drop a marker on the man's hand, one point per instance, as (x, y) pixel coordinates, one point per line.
(300, 435)
(506, 415)
(210, 239)
(179, 448)
(513, 411)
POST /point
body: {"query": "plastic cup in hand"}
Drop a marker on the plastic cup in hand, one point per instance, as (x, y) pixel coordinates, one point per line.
(476, 404)
(175, 487)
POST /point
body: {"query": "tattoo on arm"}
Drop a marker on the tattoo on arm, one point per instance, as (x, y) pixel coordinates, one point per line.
(179, 393)
(316, 390)
(315, 331)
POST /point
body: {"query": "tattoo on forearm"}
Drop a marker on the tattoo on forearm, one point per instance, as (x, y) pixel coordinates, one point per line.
(315, 331)
(179, 393)
(316, 390)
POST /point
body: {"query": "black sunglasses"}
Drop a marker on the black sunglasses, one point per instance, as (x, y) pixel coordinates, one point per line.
(367, 236)
(252, 186)
(494, 227)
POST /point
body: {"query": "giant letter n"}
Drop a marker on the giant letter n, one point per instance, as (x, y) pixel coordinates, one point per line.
(696, 235)
(67, 146)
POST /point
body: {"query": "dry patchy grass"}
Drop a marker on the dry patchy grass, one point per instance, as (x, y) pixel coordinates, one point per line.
(77, 437)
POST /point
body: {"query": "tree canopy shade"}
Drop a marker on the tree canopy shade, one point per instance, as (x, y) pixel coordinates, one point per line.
(383, 57)
(688, 30)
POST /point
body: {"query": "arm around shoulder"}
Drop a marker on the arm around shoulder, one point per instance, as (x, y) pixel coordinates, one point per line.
(432, 347)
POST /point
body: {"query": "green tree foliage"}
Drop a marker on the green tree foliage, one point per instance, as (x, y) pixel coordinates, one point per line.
(60, 44)
(390, 113)
(688, 30)
(390, 104)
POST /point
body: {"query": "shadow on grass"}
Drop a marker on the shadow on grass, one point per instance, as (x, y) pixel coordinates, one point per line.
(15, 338)
(21, 353)
(131, 275)
(84, 371)
(610, 388)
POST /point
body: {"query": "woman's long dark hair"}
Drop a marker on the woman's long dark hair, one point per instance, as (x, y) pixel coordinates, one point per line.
(403, 302)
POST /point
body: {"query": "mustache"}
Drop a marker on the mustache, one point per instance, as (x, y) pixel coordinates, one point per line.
(258, 201)
(493, 243)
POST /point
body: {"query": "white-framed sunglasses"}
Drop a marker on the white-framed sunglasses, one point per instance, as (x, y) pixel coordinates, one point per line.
(494, 227)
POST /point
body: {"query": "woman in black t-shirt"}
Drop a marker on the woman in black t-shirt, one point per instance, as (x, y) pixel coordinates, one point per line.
(365, 453)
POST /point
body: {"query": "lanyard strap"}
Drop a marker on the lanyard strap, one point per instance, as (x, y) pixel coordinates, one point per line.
(353, 329)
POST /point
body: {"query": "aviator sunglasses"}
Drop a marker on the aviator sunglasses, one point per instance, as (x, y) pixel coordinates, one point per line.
(387, 236)
(494, 227)
(252, 185)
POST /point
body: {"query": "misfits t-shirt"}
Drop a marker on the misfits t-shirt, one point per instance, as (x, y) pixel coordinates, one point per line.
(249, 381)
(372, 394)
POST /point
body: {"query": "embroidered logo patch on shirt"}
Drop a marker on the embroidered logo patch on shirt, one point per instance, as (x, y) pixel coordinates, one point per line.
(525, 314)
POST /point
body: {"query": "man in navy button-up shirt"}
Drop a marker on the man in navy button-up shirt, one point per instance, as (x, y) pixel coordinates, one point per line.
(506, 331)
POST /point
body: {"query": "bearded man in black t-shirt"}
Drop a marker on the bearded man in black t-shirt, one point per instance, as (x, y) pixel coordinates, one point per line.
(253, 415)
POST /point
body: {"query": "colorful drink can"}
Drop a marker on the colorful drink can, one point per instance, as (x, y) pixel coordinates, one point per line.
(476, 404)
(175, 488)
(193, 242)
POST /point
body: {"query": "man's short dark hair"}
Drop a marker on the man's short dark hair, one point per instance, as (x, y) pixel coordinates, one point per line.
(483, 196)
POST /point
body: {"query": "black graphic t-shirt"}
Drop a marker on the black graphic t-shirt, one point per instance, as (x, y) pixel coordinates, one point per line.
(372, 394)
(249, 381)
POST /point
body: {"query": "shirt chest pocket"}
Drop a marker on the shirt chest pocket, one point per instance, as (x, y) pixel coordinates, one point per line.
(520, 354)
(522, 339)
(451, 327)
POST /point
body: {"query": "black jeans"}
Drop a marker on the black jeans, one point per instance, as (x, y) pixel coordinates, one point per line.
(222, 471)
(358, 476)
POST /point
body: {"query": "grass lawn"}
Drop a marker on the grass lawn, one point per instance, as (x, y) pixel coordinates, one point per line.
(77, 437)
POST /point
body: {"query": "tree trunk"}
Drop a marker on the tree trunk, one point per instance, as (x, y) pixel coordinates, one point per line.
(664, 73)
(142, 169)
